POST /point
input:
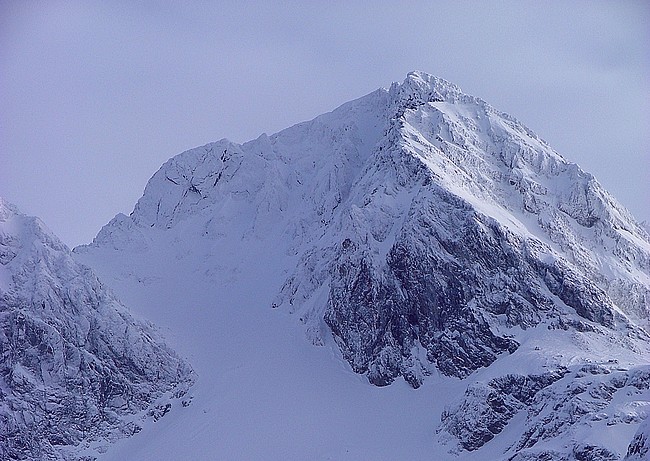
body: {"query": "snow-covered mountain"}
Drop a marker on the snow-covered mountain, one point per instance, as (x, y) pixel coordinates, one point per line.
(418, 234)
(77, 370)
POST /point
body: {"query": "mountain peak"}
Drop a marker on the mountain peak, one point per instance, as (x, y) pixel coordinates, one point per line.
(434, 82)
(421, 234)
(420, 87)
(7, 209)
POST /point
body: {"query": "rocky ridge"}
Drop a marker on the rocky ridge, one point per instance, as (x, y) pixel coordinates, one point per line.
(77, 370)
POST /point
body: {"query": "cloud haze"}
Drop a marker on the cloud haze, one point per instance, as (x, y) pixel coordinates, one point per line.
(97, 95)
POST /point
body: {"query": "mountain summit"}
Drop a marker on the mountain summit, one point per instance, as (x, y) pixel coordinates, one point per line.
(418, 234)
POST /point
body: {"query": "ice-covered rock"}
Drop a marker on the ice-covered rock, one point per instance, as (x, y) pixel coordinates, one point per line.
(76, 369)
(639, 448)
(555, 408)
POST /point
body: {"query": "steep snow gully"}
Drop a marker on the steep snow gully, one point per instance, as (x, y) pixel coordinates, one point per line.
(414, 275)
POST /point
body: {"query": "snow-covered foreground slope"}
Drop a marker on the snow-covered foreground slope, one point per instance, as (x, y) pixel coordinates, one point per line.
(262, 391)
(415, 235)
(76, 369)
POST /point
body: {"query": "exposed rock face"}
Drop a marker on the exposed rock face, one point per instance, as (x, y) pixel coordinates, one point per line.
(556, 406)
(417, 299)
(487, 408)
(75, 366)
(437, 244)
(639, 448)
(426, 232)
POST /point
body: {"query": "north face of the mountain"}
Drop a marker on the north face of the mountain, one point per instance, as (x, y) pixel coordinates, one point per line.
(76, 370)
(425, 232)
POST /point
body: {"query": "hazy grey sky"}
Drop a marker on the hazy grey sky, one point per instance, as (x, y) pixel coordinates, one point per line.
(96, 95)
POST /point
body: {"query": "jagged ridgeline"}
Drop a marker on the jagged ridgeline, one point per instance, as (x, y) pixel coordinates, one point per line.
(423, 232)
(434, 222)
(76, 368)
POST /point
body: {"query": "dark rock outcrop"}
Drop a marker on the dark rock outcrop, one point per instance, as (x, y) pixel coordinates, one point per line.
(554, 404)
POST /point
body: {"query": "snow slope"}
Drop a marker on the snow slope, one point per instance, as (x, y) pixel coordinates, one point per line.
(414, 233)
(262, 391)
